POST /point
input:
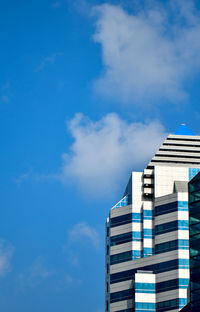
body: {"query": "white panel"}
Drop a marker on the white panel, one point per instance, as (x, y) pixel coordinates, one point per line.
(147, 224)
(183, 293)
(183, 234)
(183, 196)
(136, 227)
(184, 273)
(147, 277)
(136, 188)
(148, 205)
(145, 297)
(148, 242)
(164, 177)
(183, 254)
(136, 245)
(183, 215)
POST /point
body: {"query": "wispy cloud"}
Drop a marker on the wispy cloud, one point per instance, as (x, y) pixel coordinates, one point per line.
(71, 280)
(148, 54)
(6, 253)
(5, 93)
(48, 60)
(83, 7)
(56, 4)
(31, 175)
(105, 152)
(83, 231)
(22, 178)
(35, 275)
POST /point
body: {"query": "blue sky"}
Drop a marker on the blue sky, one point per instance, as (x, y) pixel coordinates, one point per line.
(83, 85)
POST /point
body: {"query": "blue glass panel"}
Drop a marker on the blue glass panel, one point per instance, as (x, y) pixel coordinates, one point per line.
(147, 251)
(148, 214)
(145, 287)
(136, 254)
(125, 201)
(148, 233)
(145, 305)
(193, 172)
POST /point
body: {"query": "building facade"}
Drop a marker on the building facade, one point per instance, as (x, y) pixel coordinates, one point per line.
(194, 222)
(147, 232)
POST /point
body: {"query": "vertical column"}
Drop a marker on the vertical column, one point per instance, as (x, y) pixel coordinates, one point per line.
(148, 229)
(183, 248)
(107, 270)
(137, 212)
(145, 291)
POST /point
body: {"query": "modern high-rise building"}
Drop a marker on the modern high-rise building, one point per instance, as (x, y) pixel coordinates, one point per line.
(147, 232)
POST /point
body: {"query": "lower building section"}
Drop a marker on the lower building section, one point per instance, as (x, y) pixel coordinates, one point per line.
(159, 281)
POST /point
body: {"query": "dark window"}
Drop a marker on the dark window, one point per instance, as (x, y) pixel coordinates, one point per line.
(121, 295)
(120, 239)
(166, 305)
(167, 208)
(171, 226)
(121, 257)
(172, 245)
(127, 218)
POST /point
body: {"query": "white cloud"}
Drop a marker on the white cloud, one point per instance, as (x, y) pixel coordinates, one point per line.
(105, 152)
(35, 275)
(149, 53)
(48, 60)
(6, 253)
(81, 231)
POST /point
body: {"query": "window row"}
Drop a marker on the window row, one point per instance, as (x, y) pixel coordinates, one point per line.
(172, 284)
(156, 268)
(145, 287)
(121, 295)
(172, 245)
(121, 257)
(124, 219)
(172, 226)
(171, 207)
(145, 306)
(121, 239)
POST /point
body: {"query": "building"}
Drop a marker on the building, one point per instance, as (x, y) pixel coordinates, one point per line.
(194, 222)
(194, 239)
(147, 232)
